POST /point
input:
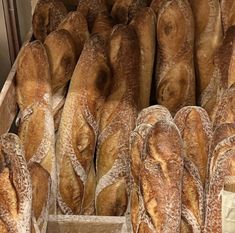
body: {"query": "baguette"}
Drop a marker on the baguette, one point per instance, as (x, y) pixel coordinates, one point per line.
(90, 9)
(16, 187)
(175, 79)
(62, 59)
(75, 23)
(46, 17)
(117, 120)
(36, 126)
(223, 75)
(221, 174)
(78, 129)
(144, 23)
(196, 130)
(145, 121)
(161, 176)
(208, 38)
(227, 13)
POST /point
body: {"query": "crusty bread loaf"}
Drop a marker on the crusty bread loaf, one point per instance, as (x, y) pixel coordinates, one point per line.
(16, 187)
(90, 9)
(146, 119)
(75, 23)
(161, 176)
(144, 23)
(227, 13)
(196, 130)
(103, 25)
(36, 128)
(208, 37)
(117, 121)
(62, 59)
(46, 17)
(78, 129)
(175, 86)
(223, 75)
(222, 173)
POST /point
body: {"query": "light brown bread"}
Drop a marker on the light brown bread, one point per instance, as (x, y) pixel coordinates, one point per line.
(117, 120)
(75, 23)
(16, 187)
(79, 128)
(196, 131)
(144, 23)
(36, 126)
(208, 38)
(227, 13)
(175, 79)
(223, 75)
(46, 17)
(146, 119)
(221, 174)
(161, 176)
(90, 9)
(62, 59)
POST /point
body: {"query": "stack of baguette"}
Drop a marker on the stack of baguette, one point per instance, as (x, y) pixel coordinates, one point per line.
(125, 106)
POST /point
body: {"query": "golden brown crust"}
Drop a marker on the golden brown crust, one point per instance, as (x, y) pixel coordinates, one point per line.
(46, 17)
(78, 129)
(144, 23)
(227, 13)
(16, 187)
(117, 121)
(161, 175)
(208, 38)
(175, 86)
(75, 23)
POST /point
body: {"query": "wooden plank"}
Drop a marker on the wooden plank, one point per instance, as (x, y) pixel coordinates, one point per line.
(86, 224)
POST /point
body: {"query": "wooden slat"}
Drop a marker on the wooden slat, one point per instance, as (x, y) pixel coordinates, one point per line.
(86, 224)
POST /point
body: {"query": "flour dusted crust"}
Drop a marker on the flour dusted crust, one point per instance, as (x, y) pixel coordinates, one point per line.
(75, 23)
(227, 14)
(16, 190)
(117, 121)
(144, 23)
(79, 129)
(46, 17)
(223, 166)
(175, 79)
(36, 126)
(161, 176)
(208, 38)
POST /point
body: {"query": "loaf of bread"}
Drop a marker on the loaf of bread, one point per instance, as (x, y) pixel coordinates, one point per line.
(103, 25)
(221, 174)
(196, 130)
(75, 23)
(46, 17)
(227, 13)
(36, 126)
(223, 75)
(62, 59)
(208, 37)
(175, 76)
(144, 23)
(146, 119)
(161, 176)
(79, 128)
(117, 121)
(16, 187)
(90, 9)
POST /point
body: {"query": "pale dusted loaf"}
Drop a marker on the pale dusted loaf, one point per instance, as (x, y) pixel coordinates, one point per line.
(144, 23)
(36, 126)
(16, 187)
(117, 120)
(46, 17)
(175, 78)
(79, 128)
